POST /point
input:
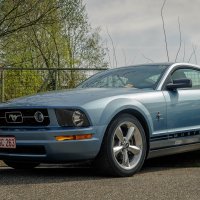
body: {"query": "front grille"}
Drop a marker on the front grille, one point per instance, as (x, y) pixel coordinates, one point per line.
(24, 117)
(28, 150)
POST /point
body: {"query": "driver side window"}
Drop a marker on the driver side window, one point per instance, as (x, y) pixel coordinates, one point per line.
(192, 74)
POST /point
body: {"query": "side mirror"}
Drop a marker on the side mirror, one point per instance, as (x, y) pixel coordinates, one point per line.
(179, 83)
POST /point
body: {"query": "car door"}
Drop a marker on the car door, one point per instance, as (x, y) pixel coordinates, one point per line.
(183, 107)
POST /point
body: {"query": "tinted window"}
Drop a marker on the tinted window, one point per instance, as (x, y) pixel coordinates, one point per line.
(146, 76)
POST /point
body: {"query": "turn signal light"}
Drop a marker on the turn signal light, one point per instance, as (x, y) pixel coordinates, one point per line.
(74, 137)
(83, 137)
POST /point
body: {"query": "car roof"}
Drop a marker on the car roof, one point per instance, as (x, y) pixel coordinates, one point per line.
(146, 64)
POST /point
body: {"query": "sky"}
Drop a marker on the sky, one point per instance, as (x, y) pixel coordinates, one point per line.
(132, 33)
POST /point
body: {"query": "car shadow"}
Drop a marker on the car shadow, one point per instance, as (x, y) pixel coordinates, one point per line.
(184, 160)
(63, 173)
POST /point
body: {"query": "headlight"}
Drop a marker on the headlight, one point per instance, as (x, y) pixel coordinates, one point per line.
(71, 118)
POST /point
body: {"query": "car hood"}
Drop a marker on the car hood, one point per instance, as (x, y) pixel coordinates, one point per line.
(75, 97)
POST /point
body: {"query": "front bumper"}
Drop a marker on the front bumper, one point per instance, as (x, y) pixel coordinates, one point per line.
(41, 146)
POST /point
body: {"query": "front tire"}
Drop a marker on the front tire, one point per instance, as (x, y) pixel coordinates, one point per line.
(21, 165)
(124, 147)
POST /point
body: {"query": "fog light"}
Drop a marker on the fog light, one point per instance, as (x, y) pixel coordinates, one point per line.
(39, 117)
(74, 137)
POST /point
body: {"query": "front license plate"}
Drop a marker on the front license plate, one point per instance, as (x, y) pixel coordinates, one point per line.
(8, 142)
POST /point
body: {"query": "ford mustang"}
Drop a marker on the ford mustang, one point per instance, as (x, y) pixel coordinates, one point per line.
(116, 119)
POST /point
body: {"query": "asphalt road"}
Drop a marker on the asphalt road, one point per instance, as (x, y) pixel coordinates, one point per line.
(175, 177)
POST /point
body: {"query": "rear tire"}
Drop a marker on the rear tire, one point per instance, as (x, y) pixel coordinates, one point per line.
(124, 147)
(21, 165)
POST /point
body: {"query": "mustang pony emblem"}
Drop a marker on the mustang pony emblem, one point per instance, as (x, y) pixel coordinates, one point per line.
(14, 117)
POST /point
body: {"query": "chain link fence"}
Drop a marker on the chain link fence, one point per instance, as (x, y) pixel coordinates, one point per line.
(16, 82)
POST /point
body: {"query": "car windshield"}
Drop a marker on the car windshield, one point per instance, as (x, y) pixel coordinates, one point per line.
(141, 76)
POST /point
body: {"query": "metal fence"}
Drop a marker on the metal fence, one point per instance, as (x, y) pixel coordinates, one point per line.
(16, 82)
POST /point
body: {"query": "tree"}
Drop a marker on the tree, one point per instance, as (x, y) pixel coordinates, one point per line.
(48, 34)
(13, 15)
(83, 44)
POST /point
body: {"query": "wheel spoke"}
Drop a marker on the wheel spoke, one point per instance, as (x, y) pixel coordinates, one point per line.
(137, 137)
(130, 133)
(117, 149)
(119, 134)
(134, 149)
(125, 160)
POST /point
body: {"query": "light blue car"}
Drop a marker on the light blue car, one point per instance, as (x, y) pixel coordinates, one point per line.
(117, 119)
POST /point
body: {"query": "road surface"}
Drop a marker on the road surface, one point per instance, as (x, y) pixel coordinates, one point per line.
(175, 177)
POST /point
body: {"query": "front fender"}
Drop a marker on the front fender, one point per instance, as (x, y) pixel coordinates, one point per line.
(116, 106)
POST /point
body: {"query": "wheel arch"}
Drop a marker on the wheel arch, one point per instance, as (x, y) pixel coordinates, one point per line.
(139, 117)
